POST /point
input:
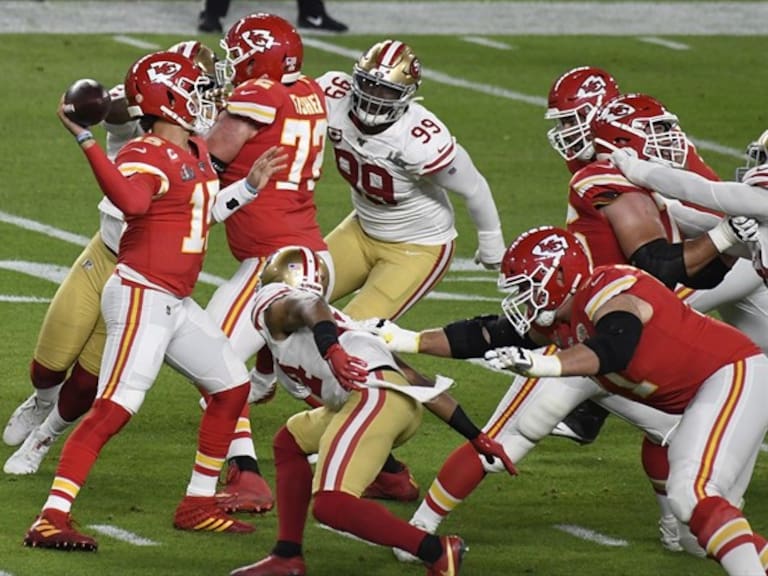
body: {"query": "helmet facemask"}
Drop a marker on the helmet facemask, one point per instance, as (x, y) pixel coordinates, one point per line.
(755, 155)
(571, 136)
(376, 101)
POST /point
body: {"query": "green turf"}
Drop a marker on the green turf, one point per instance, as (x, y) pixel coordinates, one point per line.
(716, 88)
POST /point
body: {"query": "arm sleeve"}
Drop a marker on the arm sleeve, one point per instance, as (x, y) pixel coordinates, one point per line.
(133, 195)
(732, 198)
(462, 177)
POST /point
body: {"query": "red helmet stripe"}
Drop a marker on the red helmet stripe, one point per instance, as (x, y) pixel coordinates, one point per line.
(391, 52)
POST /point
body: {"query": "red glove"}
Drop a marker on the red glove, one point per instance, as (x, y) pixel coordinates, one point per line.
(492, 449)
(349, 370)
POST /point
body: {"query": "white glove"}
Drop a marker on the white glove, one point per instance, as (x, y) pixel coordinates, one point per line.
(397, 339)
(491, 249)
(634, 169)
(262, 386)
(733, 229)
(523, 361)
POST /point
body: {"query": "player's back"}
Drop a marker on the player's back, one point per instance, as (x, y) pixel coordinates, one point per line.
(167, 244)
(679, 347)
(284, 213)
(591, 189)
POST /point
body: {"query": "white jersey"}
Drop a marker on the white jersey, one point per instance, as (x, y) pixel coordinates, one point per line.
(298, 364)
(393, 197)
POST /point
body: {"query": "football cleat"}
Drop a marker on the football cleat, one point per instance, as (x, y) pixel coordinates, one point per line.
(404, 556)
(27, 416)
(27, 459)
(583, 424)
(53, 529)
(273, 566)
(202, 514)
(449, 563)
(668, 533)
(245, 491)
(393, 486)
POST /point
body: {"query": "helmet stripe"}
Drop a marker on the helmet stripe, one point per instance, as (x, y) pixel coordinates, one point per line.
(391, 52)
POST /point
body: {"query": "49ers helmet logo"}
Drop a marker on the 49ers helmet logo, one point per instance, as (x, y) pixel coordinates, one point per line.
(162, 71)
(593, 86)
(553, 246)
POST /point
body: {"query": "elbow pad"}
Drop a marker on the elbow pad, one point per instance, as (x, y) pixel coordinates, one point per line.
(618, 334)
(662, 260)
(472, 338)
(709, 276)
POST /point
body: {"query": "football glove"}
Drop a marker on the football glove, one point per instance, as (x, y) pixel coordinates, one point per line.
(733, 229)
(262, 386)
(349, 370)
(523, 361)
(397, 339)
(634, 169)
(491, 449)
(491, 249)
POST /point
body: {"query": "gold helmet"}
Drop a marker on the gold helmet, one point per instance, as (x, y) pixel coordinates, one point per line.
(296, 266)
(385, 80)
(205, 59)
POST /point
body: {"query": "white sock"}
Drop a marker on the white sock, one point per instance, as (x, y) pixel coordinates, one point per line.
(48, 395)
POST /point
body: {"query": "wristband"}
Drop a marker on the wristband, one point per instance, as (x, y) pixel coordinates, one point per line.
(249, 188)
(84, 136)
(460, 422)
(326, 335)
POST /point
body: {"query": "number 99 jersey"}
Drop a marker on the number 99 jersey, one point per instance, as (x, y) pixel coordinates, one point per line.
(388, 171)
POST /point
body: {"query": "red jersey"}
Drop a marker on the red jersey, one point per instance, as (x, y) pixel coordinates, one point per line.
(284, 212)
(679, 348)
(167, 244)
(593, 187)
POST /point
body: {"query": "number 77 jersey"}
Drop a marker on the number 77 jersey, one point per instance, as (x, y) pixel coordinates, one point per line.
(294, 117)
(389, 170)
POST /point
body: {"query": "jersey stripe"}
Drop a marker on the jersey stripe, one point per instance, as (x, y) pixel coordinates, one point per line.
(582, 186)
(441, 162)
(129, 168)
(607, 292)
(256, 112)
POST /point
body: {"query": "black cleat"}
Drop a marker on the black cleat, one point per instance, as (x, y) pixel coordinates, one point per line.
(208, 24)
(323, 22)
(583, 424)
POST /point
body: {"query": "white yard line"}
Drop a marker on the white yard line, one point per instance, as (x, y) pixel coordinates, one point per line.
(345, 534)
(482, 41)
(130, 41)
(122, 535)
(664, 43)
(590, 535)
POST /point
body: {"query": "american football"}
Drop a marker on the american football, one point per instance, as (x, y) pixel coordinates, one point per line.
(87, 102)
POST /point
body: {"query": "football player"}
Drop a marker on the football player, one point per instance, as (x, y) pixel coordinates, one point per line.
(64, 370)
(697, 378)
(400, 161)
(371, 402)
(165, 185)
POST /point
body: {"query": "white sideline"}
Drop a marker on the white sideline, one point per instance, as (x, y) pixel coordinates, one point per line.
(122, 535)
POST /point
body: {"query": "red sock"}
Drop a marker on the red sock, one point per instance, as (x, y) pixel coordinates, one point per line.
(461, 473)
(43, 377)
(294, 486)
(77, 393)
(656, 465)
(707, 521)
(218, 423)
(104, 420)
(366, 519)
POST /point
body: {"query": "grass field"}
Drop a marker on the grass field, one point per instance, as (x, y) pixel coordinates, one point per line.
(716, 87)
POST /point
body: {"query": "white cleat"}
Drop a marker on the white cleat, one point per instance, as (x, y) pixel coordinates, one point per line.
(669, 534)
(27, 459)
(27, 416)
(404, 556)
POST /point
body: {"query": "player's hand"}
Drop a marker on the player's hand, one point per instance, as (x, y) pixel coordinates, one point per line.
(349, 370)
(273, 160)
(491, 449)
(745, 228)
(74, 128)
(397, 339)
(523, 361)
(634, 169)
(491, 249)
(263, 387)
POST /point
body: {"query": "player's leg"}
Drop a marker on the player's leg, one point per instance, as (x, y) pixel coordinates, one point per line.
(202, 353)
(68, 324)
(245, 489)
(347, 250)
(402, 275)
(714, 445)
(138, 331)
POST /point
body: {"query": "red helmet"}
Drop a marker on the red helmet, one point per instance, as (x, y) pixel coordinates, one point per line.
(573, 100)
(169, 86)
(539, 271)
(262, 45)
(642, 123)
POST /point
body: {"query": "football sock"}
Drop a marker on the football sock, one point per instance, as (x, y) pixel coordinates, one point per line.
(392, 465)
(46, 382)
(293, 486)
(246, 463)
(242, 441)
(761, 544)
(77, 393)
(430, 549)
(54, 425)
(655, 464)
(286, 549)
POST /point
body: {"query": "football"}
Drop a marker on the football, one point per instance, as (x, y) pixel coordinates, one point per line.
(86, 102)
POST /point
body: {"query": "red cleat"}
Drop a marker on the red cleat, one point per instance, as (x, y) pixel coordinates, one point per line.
(53, 529)
(245, 491)
(201, 513)
(449, 563)
(273, 566)
(393, 486)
